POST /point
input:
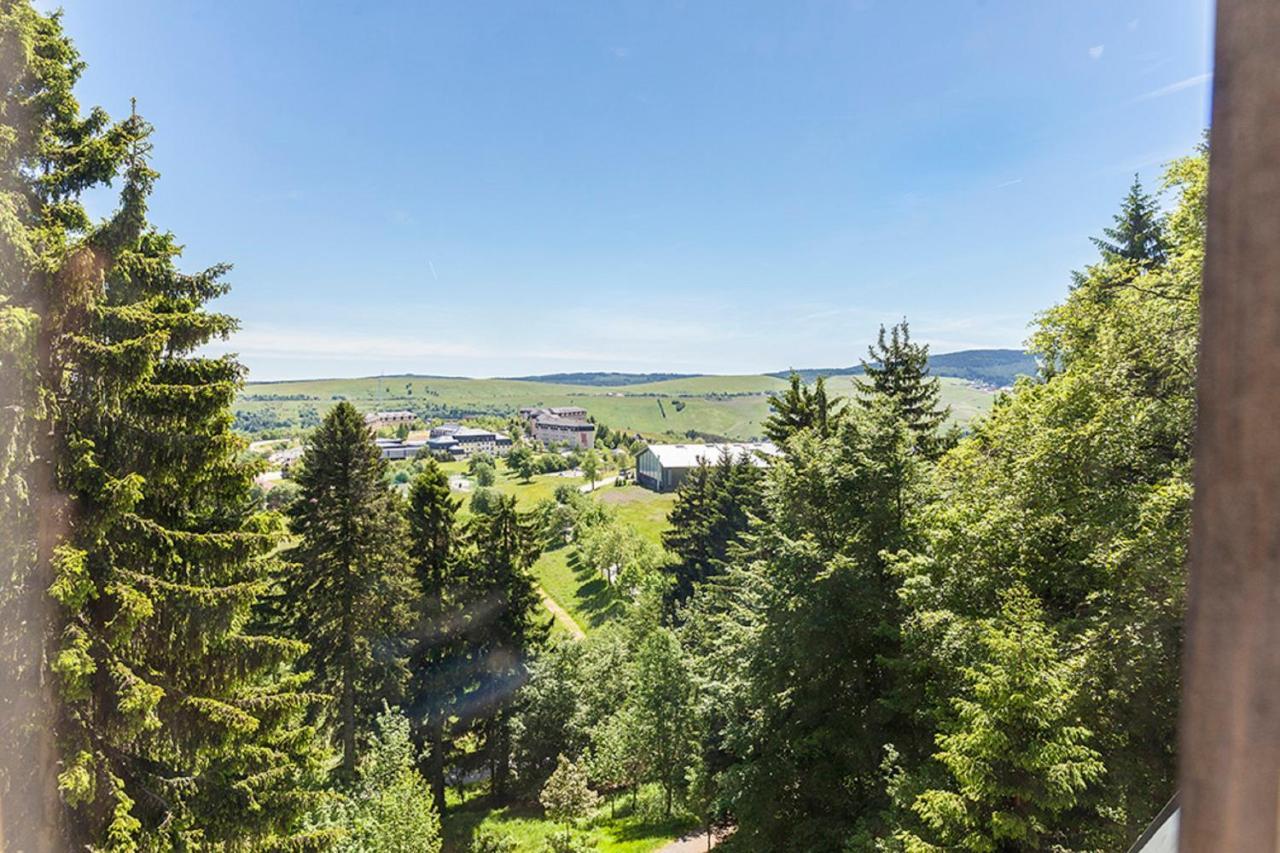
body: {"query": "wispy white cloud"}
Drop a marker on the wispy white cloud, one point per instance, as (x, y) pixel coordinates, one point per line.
(1189, 83)
(1095, 52)
(1009, 183)
(332, 345)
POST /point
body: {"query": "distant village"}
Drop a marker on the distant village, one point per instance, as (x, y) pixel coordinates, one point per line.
(564, 429)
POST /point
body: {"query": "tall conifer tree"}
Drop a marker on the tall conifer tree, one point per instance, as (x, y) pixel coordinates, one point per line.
(177, 726)
(898, 371)
(432, 512)
(499, 605)
(798, 409)
(1138, 232)
(49, 153)
(351, 590)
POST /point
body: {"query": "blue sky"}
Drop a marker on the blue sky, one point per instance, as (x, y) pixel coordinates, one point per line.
(503, 188)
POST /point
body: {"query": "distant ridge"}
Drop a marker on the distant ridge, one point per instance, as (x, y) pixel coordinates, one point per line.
(603, 379)
(998, 367)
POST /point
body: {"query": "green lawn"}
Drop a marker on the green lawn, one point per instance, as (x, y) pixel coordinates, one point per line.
(644, 510)
(579, 589)
(627, 832)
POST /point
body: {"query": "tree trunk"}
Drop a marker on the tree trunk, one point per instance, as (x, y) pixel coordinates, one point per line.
(348, 710)
(435, 769)
(502, 759)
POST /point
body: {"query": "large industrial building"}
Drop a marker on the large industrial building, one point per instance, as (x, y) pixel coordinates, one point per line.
(663, 467)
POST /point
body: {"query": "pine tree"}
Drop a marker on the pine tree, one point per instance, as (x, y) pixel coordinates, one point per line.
(898, 371)
(798, 409)
(712, 513)
(180, 722)
(499, 602)
(1138, 233)
(1016, 757)
(432, 512)
(350, 590)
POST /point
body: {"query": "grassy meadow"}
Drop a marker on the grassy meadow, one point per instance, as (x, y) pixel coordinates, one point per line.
(730, 406)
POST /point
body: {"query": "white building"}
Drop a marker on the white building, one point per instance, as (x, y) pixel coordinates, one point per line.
(663, 467)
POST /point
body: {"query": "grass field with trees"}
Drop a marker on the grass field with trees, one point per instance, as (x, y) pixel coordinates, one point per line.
(730, 406)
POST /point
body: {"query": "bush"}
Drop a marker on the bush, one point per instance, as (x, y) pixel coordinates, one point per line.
(391, 809)
(491, 842)
(484, 501)
(568, 841)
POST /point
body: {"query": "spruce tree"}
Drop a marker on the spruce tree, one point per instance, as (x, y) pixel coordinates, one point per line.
(350, 590)
(713, 511)
(180, 723)
(798, 409)
(499, 604)
(898, 370)
(49, 154)
(130, 552)
(1016, 757)
(432, 511)
(1138, 232)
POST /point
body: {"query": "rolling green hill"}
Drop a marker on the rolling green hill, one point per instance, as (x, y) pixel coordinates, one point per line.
(998, 367)
(729, 406)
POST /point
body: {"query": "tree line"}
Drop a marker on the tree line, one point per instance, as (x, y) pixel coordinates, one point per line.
(904, 638)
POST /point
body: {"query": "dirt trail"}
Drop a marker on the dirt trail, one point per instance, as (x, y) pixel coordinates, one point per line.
(695, 842)
(561, 614)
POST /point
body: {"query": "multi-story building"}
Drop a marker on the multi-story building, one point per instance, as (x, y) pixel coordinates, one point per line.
(378, 420)
(554, 430)
(460, 441)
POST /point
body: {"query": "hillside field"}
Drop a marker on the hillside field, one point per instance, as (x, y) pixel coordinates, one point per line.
(730, 406)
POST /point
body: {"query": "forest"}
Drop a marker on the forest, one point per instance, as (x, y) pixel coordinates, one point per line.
(897, 635)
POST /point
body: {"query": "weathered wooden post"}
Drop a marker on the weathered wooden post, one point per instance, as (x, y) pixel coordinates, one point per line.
(1230, 725)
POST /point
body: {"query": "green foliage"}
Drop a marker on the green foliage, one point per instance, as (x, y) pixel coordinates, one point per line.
(523, 461)
(567, 797)
(660, 707)
(500, 627)
(714, 506)
(349, 592)
(177, 716)
(485, 473)
(1016, 755)
(898, 372)
(591, 467)
(435, 655)
(799, 409)
(389, 810)
(1138, 234)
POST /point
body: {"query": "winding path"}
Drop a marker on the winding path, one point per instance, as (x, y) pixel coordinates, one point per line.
(695, 842)
(561, 614)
